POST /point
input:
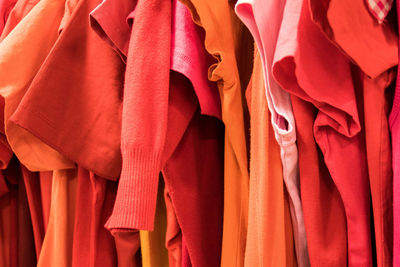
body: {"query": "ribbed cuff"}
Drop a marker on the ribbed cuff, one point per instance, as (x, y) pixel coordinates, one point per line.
(136, 199)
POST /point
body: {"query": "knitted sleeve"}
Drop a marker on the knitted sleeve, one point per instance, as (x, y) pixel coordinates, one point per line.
(144, 116)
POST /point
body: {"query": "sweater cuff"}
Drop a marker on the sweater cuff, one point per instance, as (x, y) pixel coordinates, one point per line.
(136, 199)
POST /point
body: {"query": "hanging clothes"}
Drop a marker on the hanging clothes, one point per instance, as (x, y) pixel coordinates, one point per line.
(43, 160)
(269, 215)
(373, 48)
(223, 32)
(265, 29)
(186, 48)
(267, 122)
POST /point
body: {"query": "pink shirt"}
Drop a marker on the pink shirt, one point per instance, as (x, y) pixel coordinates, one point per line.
(189, 57)
(264, 18)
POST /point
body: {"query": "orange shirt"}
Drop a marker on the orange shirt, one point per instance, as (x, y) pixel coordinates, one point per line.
(36, 41)
(24, 49)
(270, 235)
(22, 53)
(57, 243)
(223, 41)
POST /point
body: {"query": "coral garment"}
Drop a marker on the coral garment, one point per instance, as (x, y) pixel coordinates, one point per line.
(223, 41)
(324, 214)
(264, 23)
(144, 116)
(24, 49)
(373, 47)
(379, 155)
(337, 127)
(270, 234)
(98, 87)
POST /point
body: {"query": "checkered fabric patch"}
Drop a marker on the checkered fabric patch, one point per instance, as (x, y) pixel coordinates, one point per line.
(379, 8)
